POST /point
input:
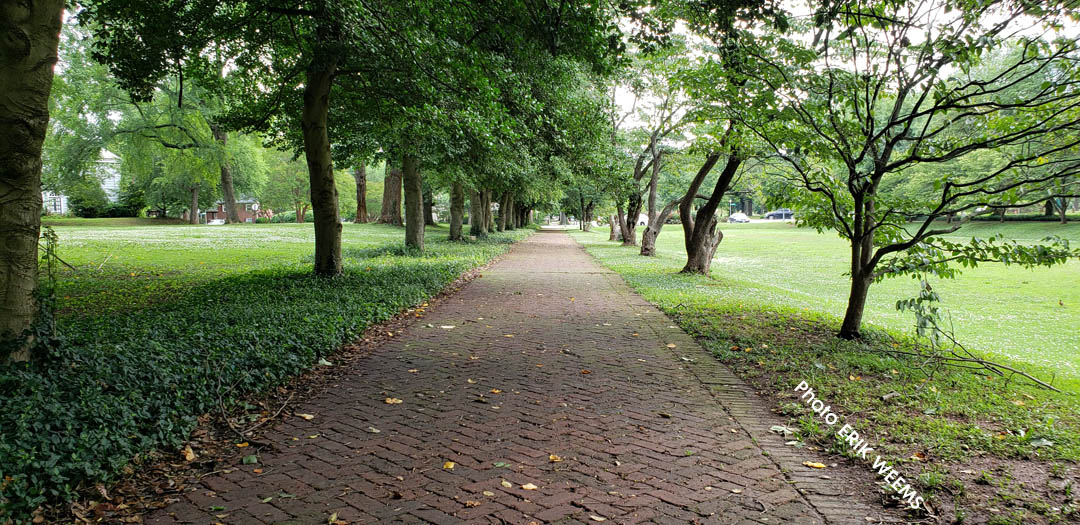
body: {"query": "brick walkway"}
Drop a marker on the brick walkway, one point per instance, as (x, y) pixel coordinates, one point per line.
(555, 376)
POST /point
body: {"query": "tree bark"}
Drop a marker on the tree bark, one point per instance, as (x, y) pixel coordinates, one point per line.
(193, 215)
(616, 232)
(633, 211)
(504, 211)
(429, 205)
(324, 196)
(700, 233)
(231, 216)
(360, 174)
(414, 202)
(29, 35)
(1063, 211)
(477, 222)
(457, 210)
(860, 286)
(391, 204)
(489, 217)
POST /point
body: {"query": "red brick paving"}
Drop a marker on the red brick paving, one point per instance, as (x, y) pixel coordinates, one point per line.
(549, 354)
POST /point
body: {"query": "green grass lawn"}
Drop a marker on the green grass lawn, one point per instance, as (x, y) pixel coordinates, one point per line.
(1032, 316)
(159, 324)
(772, 305)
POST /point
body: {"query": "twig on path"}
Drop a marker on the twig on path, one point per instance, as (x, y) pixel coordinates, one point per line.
(276, 414)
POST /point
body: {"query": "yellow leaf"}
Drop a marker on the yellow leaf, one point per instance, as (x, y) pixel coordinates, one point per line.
(586, 372)
(449, 465)
(812, 464)
(333, 518)
(509, 335)
(471, 503)
(488, 493)
(507, 484)
(189, 454)
(529, 486)
(471, 381)
(554, 458)
(413, 370)
(597, 518)
(918, 456)
(242, 445)
(496, 391)
(393, 401)
(308, 417)
(1018, 403)
(671, 345)
(571, 299)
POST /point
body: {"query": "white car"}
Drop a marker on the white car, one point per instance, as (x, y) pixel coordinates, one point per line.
(215, 222)
(738, 217)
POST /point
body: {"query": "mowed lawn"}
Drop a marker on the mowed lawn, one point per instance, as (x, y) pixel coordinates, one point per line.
(1031, 316)
(121, 265)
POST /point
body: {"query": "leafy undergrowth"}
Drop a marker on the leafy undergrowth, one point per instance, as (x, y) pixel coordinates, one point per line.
(118, 383)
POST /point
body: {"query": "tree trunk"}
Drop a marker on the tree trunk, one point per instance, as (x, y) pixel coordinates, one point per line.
(324, 196)
(616, 230)
(504, 211)
(1063, 211)
(29, 35)
(360, 174)
(1048, 208)
(701, 235)
(193, 216)
(624, 228)
(414, 202)
(589, 215)
(477, 223)
(860, 286)
(429, 205)
(633, 212)
(391, 204)
(231, 216)
(652, 231)
(489, 217)
(457, 209)
(301, 210)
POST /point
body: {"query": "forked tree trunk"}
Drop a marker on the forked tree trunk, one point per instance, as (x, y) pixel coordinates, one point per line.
(324, 196)
(360, 174)
(391, 204)
(701, 235)
(231, 216)
(414, 202)
(477, 223)
(29, 35)
(193, 215)
(457, 210)
(301, 211)
(429, 205)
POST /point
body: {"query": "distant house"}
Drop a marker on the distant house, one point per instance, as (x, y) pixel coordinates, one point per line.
(247, 209)
(106, 170)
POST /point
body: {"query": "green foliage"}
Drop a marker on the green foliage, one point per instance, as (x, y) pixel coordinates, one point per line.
(119, 381)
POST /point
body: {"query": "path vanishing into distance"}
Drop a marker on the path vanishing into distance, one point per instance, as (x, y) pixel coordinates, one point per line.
(545, 391)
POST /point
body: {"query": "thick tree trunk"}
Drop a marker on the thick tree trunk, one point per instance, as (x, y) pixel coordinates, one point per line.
(324, 196)
(193, 214)
(615, 233)
(860, 286)
(301, 210)
(29, 35)
(360, 174)
(457, 210)
(633, 211)
(391, 204)
(589, 215)
(1063, 212)
(414, 202)
(429, 205)
(701, 235)
(624, 228)
(231, 216)
(652, 231)
(1048, 208)
(504, 211)
(489, 217)
(563, 221)
(477, 223)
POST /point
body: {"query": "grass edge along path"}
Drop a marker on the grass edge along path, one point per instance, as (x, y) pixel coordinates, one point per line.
(952, 414)
(116, 386)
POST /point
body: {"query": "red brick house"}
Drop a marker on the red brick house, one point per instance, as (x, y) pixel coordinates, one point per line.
(246, 209)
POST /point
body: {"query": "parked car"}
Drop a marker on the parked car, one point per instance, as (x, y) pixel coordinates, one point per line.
(782, 213)
(738, 217)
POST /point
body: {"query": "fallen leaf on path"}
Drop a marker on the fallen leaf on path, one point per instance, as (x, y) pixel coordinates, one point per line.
(449, 465)
(554, 458)
(413, 370)
(257, 470)
(251, 460)
(507, 484)
(671, 345)
(242, 445)
(447, 327)
(597, 518)
(529, 486)
(571, 299)
(471, 503)
(308, 417)
(373, 430)
(918, 456)
(471, 381)
(586, 372)
(495, 391)
(488, 493)
(393, 401)
(812, 464)
(189, 455)
(854, 377)
(509, 335)
(736, 491)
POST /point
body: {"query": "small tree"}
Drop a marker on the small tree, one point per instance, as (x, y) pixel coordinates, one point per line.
(874, 91)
